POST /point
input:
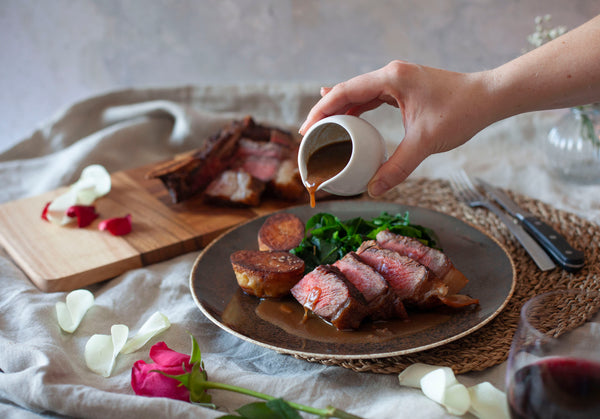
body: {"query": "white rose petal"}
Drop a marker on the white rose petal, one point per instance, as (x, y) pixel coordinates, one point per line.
(93, 183)
(435, 383)
(59, 206)
(411, 375)
(71, 313)
(85, 196)
(95, 180)
(98, 353)
(101, 350)
(441, 386)
(457, 400)
(156, 324)
(487, 402)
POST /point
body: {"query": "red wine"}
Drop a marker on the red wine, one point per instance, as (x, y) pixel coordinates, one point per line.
(556, 388)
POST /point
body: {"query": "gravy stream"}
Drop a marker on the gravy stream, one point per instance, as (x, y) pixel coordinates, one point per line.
(325, 163)
(290, 316)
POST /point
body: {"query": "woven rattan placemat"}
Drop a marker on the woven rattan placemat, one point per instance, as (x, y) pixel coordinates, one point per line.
(489, 345)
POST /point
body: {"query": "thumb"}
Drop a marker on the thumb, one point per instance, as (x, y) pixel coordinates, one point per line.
(407, 156)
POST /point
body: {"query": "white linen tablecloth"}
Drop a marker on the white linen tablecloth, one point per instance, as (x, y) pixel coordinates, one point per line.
(43, 368)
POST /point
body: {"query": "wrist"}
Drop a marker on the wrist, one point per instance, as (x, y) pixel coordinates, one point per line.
(486, 100)
(501, 97)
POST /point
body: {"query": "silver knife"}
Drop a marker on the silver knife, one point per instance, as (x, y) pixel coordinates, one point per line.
(554, 243)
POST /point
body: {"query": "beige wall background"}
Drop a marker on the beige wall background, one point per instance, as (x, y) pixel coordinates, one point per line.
(56, 52)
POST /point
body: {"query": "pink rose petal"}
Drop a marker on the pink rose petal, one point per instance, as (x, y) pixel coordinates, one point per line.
(85, 214)
(45, 212)
(117, 226)
(146, 382)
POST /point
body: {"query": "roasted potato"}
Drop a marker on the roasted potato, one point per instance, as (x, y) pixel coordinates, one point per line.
(281, 231)
(266, 273)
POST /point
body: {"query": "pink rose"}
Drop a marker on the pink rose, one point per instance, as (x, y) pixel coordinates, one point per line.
(146, 382)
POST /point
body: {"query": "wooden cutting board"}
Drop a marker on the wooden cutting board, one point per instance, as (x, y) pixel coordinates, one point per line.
(65, 258)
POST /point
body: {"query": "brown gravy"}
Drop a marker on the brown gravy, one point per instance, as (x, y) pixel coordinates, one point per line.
(291, 317)
(325, 163)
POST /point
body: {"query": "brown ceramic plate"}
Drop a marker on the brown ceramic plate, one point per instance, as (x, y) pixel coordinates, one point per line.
(277, 324)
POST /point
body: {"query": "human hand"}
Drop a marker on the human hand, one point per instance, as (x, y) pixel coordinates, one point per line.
(440, 109)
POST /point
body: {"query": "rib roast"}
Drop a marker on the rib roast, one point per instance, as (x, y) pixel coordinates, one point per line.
(267, 154)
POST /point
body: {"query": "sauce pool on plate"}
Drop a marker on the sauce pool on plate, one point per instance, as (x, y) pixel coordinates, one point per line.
(290, 316)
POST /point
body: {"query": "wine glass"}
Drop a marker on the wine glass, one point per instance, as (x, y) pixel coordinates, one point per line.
(553, 366)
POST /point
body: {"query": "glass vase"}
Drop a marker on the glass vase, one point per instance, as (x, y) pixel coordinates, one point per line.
(573, 145)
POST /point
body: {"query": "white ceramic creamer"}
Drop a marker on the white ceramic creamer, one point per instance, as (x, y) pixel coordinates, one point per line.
(367, 154)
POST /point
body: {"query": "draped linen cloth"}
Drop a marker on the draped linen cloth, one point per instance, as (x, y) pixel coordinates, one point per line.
(43, 371)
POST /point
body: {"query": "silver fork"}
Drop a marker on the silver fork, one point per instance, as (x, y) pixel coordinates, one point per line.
(466, 191)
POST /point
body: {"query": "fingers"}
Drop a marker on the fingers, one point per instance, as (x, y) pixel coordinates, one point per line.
(331, 103)
(321, 110)
(365, 107)
(408, 155)
(325, 90)
(356, 93)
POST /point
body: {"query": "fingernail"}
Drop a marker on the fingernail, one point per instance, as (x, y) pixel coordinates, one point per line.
(302, 128)
(378, 187)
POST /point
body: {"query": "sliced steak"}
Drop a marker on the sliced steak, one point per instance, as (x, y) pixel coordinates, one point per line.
(327, 293)
(435, 260)
(284, 138)
(189, 174)
(235, 187)
(458, 300)
(265, 132)
(382, 302)
(264, 168)
(413, 283)
(287, 183)
(262, 159)
(249, 147)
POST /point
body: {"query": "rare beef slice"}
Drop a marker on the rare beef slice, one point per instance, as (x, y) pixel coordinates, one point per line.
(413, 283)
(435, 260)
(327, 293)
(382, 302)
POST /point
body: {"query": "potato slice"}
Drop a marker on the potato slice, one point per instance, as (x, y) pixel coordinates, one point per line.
(281, 231)
(268, 273)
